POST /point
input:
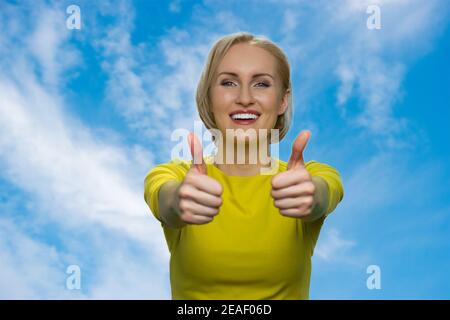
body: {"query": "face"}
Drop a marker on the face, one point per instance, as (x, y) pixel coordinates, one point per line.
(247, 91)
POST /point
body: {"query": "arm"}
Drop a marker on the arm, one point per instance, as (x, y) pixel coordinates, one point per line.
(321, 199)
(168, 209)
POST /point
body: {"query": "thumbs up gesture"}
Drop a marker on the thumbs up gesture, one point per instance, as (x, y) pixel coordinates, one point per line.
(293, 190)
(199, 196)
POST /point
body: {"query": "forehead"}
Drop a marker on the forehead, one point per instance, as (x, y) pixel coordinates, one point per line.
(243, 58)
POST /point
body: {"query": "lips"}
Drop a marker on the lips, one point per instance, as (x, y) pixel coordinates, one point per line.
(244, 111)
(244, 117)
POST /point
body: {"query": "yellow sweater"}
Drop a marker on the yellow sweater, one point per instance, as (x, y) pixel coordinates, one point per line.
(249, 250)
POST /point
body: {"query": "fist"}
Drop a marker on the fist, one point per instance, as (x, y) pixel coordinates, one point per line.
(293, 190)
(199, 196)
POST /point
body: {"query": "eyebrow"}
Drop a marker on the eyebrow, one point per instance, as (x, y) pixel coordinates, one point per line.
(254, 76)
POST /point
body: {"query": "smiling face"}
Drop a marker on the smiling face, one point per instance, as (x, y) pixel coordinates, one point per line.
(247, 90)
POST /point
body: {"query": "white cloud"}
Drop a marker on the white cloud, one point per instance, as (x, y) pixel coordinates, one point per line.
(332, 246)
(154, 98)
(125, 276)
(29, 269)
(290, 21)
(47, 44)
(376, 59)
(332, 43)
(70, 174)
(73, 180)
(33, 269)
(384, 180)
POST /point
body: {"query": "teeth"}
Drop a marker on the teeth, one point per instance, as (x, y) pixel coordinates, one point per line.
(244, 116)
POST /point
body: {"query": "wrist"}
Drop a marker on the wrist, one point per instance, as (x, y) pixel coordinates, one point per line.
(172, 216)
(320, 202)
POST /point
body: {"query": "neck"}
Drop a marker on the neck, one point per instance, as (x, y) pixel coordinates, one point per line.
(243, 159)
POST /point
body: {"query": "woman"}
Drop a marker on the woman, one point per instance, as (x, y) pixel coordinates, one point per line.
(234, 233)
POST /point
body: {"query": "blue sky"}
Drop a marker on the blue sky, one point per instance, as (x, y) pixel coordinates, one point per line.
(84, 114)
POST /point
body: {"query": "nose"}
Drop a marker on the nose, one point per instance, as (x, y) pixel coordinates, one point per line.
(245, 96)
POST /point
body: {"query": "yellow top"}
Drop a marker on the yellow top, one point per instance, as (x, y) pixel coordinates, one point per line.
(249, 250)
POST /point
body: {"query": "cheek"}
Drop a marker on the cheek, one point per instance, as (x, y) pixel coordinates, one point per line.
(222, 99)
(218, 110)
(221, 102)
(268, 99)
(271, 106)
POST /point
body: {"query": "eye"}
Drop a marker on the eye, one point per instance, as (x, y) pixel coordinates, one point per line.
(226, 83)
(263, 84)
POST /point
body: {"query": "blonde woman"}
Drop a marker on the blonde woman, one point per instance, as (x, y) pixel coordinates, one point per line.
(233, 232)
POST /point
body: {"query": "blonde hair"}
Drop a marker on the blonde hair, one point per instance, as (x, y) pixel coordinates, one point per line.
(216, 55)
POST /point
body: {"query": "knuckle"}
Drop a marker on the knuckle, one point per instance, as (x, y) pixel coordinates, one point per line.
(205, 221)
(304, 213)
(183, 206)
(273, 182)
(274, 193)
(186, 217)
(277, 179)
(304, 174)
(188, 176)
(219, 187)
(208, 211)
(183, 191)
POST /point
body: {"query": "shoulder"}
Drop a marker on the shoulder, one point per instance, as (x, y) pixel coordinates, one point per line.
(179, 165)
(314, 166)
(176, 168)
(309, 165)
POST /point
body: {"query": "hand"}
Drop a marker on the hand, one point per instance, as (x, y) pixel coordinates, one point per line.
(199, 196)
(293, 190)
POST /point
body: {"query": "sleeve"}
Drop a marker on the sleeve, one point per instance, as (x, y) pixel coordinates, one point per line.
(156, 177)
(335, 195)
(333, 180)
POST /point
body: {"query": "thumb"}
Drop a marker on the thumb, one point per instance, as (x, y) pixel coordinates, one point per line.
(298, 148)
(196, 153)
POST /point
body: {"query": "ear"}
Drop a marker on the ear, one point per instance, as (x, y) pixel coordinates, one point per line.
(284, 102)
